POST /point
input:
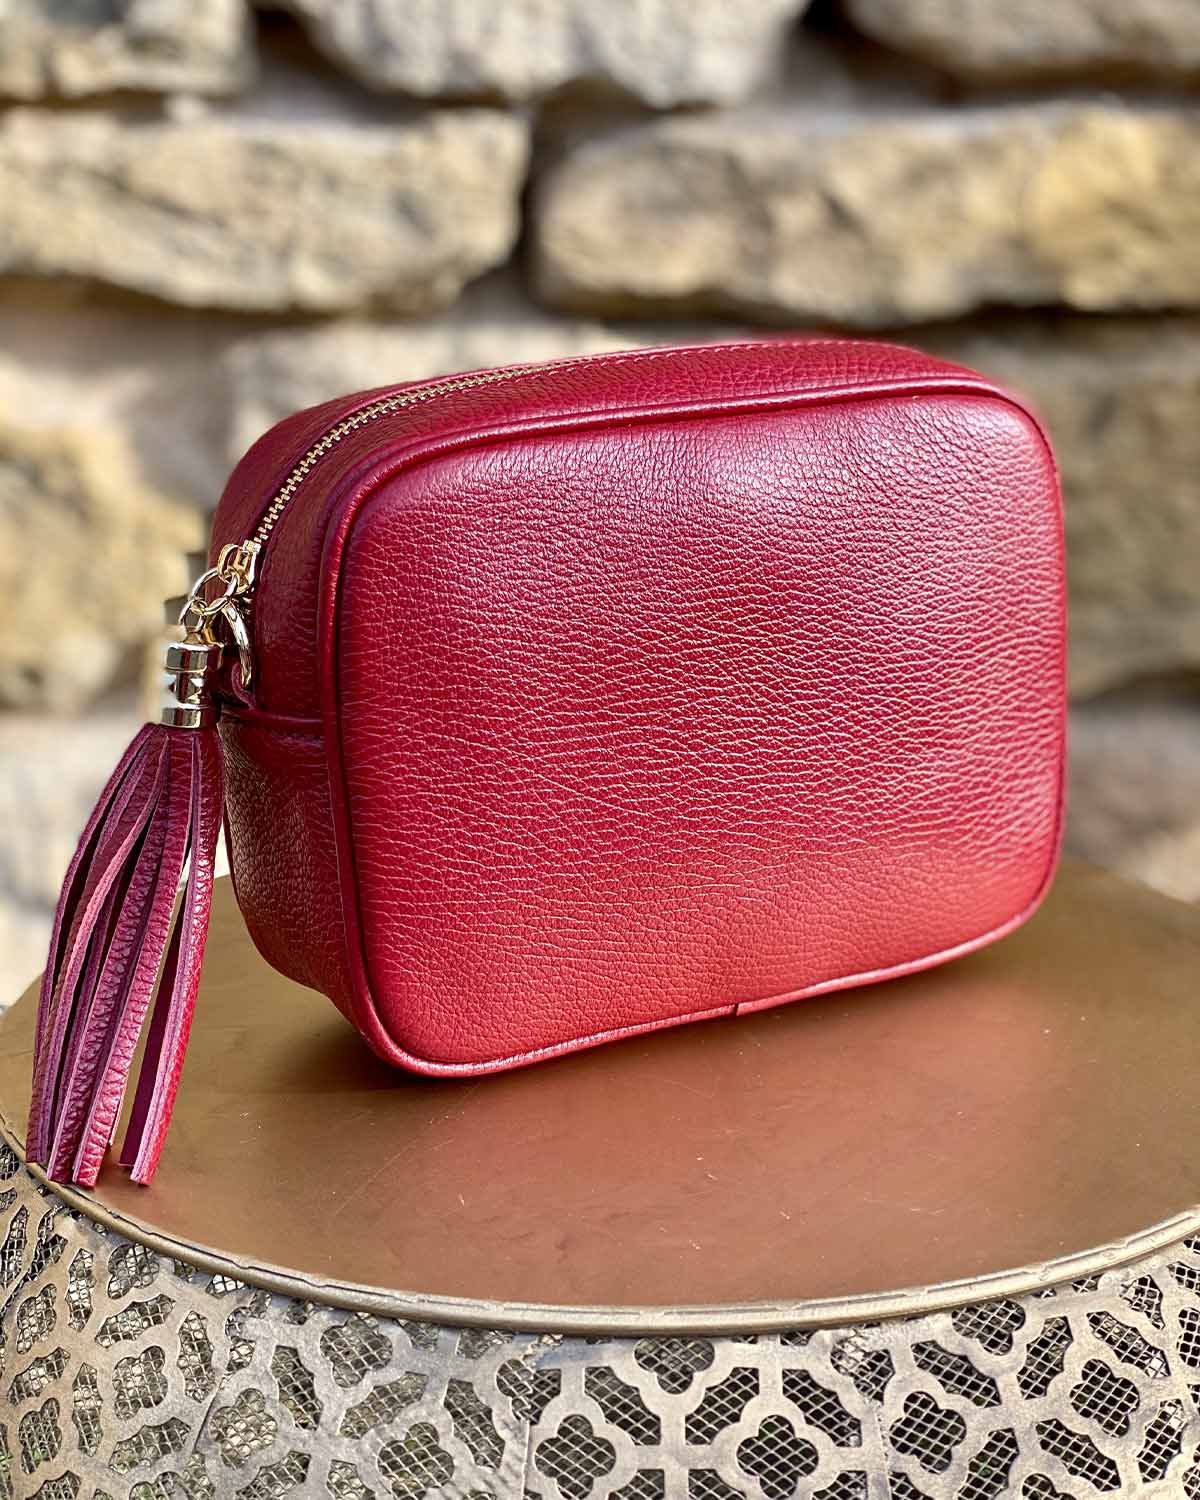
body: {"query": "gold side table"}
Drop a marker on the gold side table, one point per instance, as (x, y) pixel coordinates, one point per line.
(936, 1238)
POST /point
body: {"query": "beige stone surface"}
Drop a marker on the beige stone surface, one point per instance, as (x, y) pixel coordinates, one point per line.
(1037, 39)
(1120, 399)
(1134, 786)
(149, 374)
(1170, 862)
(87, 555)
(51, 771)
(786, 216)
(57, 50)
(263, 214)
(24, 936)
(662, 52)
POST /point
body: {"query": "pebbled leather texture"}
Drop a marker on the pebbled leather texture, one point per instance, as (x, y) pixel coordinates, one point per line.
(283, 849)
(648, 687)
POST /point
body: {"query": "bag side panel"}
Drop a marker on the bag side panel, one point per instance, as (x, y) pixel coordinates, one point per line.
(282, 849)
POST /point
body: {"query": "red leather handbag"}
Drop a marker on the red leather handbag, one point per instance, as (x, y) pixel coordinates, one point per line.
(549, 705)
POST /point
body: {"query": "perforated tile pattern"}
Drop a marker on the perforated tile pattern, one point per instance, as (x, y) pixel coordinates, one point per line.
(133, 1377)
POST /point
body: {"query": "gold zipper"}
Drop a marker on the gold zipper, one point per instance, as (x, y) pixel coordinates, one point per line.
(383, 408)
(223, 592)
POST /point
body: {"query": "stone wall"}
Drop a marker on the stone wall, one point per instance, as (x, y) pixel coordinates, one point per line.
(212, 214)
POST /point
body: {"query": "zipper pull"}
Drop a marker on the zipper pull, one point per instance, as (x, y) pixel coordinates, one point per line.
(125, 945)
(237, 562)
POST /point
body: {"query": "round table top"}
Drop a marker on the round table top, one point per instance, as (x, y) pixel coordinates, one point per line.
(981, 1128)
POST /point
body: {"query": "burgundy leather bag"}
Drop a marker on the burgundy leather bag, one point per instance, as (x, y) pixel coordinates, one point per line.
(550, 705)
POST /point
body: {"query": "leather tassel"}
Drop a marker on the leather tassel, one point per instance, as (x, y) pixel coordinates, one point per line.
(123, 932)
(171, 1024)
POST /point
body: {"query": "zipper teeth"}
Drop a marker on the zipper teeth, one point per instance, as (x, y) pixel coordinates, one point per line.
(414, 397)
(368, 414)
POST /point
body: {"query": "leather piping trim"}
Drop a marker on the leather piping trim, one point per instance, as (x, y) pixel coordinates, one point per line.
(627, 1322)
(352, 493)
(337, 411)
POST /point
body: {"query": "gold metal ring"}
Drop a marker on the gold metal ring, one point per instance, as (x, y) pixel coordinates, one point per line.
(205, 609)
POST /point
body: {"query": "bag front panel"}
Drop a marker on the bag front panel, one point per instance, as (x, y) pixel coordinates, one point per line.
(659, 721)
